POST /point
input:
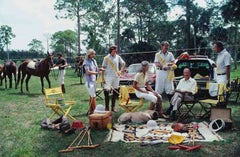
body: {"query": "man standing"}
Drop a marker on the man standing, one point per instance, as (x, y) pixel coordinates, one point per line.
(164, 74)
(186, 88)
(111, 64)
(223, 63)
(61, 63)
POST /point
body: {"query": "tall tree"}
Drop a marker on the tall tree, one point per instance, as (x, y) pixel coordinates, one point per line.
(36, 46)
(64, 41)
(6, 35)
(231, 14)
(77, 9)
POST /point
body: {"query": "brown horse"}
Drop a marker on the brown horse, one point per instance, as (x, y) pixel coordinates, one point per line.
(42, 70)
(9, 69)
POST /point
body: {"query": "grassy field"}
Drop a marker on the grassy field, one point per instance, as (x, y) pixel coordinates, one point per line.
(21, 116)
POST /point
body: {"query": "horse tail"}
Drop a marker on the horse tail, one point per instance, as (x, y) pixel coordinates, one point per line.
(19, 74)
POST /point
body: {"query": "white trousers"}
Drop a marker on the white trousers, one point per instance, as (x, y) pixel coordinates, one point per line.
(61, 74)
(111, 82)
(162, 83)
(148, 96)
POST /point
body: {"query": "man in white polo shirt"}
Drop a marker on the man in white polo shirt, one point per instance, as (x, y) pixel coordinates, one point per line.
(223, 63)
(163, 61)
(186, 88)
(111, 64)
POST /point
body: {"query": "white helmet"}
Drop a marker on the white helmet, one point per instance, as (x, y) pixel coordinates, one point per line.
(151, 124)
(99, 109)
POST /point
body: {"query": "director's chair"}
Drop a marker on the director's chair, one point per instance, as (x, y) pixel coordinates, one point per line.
(220, 100)
(55, 100)
(125, 102)
(186, 107)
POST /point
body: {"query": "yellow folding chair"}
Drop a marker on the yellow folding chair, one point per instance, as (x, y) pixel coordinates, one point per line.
(220, 100)
(125, 102)
(55, 100)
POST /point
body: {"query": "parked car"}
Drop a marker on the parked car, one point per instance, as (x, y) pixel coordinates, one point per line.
(201, 67)
(132, 69)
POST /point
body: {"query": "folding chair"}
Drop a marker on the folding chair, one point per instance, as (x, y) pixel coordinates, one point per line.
(125, 102)
(235, 88)
(55, 100)
(220, 100)
(100, 89)
(185, 109)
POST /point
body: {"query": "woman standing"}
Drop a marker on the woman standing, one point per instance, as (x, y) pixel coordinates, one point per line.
(91, 71)
(139, 84)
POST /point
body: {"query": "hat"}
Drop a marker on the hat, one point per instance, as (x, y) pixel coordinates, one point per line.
(99, 109)
(176, 139)
(151, 124)
(144, 63)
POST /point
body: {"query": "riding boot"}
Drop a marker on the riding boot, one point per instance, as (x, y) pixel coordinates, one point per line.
(63, 88)
(114, 97)
(92, 105)
(106, 96)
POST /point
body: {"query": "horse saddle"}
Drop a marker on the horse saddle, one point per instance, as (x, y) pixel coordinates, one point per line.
(33, 64)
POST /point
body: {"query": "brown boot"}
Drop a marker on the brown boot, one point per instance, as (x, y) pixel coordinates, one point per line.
(92, 105)
(106, 96)
(63, 88)
(114, 97)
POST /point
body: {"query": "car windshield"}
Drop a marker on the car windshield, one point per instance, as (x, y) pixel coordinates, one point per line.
(134, 68)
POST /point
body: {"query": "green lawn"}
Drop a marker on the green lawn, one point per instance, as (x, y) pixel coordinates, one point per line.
(21, 116)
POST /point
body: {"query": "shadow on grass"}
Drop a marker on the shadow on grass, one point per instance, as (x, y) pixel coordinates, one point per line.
(32, 95)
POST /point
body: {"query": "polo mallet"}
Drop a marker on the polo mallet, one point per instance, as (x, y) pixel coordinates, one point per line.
(69, 149)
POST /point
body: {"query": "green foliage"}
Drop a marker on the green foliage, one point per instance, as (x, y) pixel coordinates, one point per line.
(64, 41)
(36, 46)
(6, 35)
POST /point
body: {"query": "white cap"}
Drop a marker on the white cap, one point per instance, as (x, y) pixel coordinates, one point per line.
(99, 109)
(151, 124)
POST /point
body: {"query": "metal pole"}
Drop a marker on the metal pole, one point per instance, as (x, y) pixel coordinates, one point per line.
(118, 27)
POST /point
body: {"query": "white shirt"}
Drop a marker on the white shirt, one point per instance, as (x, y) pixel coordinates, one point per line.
(223, 60)
(168, 57)
(187, 85)
(108, 68)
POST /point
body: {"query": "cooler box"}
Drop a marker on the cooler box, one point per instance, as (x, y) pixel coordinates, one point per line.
(99, 121)
(224, 114)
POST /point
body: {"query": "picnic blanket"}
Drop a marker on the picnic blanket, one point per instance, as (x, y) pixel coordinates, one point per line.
(141, 133)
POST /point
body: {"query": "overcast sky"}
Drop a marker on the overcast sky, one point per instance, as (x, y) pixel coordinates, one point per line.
(31, 19)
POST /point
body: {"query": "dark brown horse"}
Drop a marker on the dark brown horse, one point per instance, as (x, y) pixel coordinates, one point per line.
(9, 69)
(42, 70)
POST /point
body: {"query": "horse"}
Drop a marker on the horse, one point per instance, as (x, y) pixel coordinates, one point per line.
(9, 69)
(41, 70)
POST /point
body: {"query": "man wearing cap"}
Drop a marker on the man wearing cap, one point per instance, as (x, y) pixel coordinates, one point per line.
(111, 64)
(223, 63)
(61, 63)
(164, 74)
